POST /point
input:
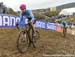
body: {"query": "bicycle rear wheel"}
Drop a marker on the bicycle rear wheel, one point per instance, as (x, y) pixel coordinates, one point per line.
(35, 39)
(22, 42)
(64, 32)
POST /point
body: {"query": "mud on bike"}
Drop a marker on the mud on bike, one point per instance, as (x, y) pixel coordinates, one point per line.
(25, 37)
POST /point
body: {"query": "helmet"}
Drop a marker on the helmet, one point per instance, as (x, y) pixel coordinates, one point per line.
(22, 6)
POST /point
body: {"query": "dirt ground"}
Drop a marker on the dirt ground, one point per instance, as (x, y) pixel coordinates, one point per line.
(50, 43)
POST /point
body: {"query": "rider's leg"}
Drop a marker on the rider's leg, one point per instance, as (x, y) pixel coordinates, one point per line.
(32, 27)
(64, 31)
(30, 40)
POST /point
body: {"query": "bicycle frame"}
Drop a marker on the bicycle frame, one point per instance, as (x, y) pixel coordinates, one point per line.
(24, 27)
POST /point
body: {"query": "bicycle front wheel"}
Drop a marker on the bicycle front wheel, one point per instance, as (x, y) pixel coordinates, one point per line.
(64, 32)
(22, 42)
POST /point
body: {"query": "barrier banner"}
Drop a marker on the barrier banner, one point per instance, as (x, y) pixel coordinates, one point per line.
(51, 26)
(10, 21)
(40, 24)
(59, 29)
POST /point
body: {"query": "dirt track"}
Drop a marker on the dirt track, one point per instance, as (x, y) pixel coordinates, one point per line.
(50, 43)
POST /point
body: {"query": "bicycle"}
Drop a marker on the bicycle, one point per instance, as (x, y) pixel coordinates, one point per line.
(64, 31)
(25, 38)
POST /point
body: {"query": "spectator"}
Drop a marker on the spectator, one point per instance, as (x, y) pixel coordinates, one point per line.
(4, 10)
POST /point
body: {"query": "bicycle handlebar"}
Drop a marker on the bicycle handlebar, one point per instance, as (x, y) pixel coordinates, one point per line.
(24, 25)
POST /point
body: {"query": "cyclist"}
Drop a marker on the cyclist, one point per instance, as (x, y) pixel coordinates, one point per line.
(64, 26)
(29, 15)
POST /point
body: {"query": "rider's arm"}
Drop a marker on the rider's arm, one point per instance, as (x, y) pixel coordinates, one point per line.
(20, 15)
(31, 15)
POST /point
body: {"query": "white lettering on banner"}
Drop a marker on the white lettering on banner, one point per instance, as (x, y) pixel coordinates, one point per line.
(12, 21)
(0, 20)
(43, 25)
(40, 24)
(26, 21)
(37, 24)
(51, 26)
(5, 20)
(17, 19)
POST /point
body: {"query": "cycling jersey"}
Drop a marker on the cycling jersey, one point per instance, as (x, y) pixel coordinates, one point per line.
(28, 13)
(64, 24)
